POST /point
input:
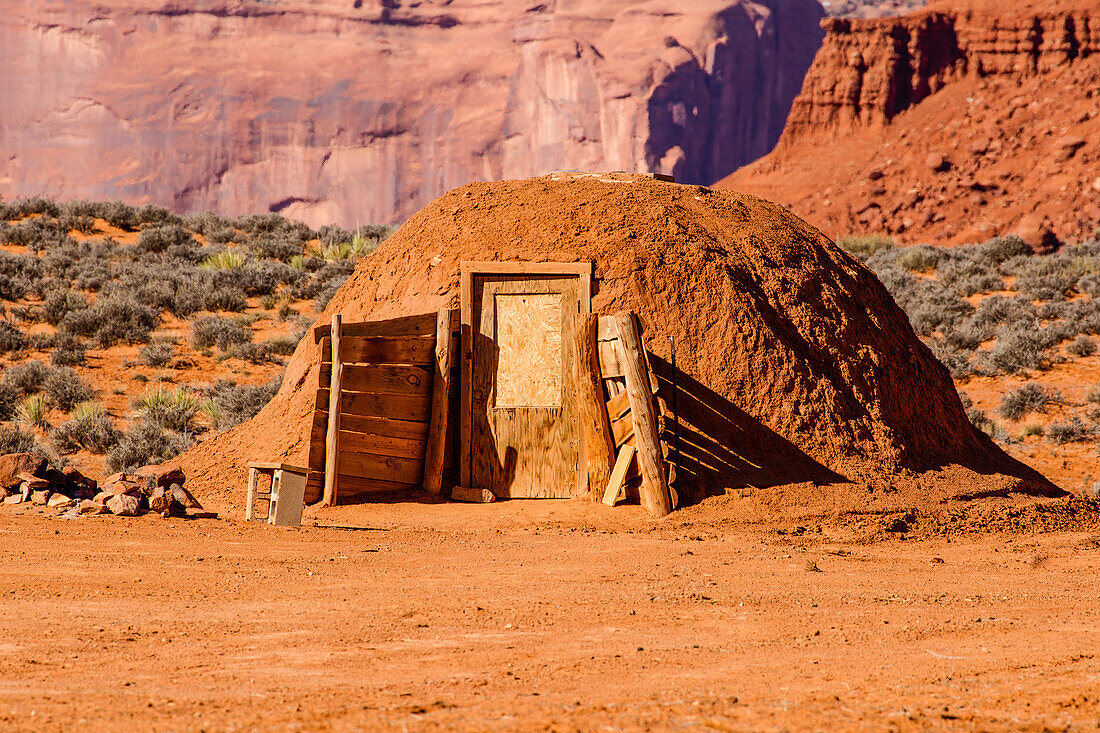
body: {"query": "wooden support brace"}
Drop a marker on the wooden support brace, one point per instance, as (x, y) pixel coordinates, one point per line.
(617, 480)
(441, 397)
(598, 444)
(654, 491)
(332, 436)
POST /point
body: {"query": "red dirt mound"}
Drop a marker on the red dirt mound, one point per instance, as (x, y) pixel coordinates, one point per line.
(954, 124)
(797, 368)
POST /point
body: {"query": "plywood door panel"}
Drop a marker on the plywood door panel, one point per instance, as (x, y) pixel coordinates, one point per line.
(523, 441)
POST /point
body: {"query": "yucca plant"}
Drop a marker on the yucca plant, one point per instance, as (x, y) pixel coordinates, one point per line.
(170, 409)
(298, 262)
(33, 410)
(227, 260)
(210, 410)
(88, 410)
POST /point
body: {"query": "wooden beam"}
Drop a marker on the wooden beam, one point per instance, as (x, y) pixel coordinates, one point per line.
(332, 435)
(618, 475)
(654, 491)
(441, 399)
(382, 350)
(599, 447)
(466, 357)
(493, 267)
(422, 325)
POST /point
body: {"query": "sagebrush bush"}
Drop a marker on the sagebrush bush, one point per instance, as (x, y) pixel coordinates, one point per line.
(1027, 399)
(1073, 430)
(232, 404)
(226, 298)
(11, 338)
(112, 319)
(90, 429)
(67, 350)
(918, 258)
(146, 443)
(159, 238)
(156, 354)
(281, 345)
(64, 388)
(217, 331)
(1082, 346)
(14, 440)
(25, 378)
(59, 303)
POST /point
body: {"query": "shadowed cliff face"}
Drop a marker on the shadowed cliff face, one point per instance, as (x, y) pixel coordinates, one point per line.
(330, 112)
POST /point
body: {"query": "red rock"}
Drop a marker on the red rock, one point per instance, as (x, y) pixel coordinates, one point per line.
(60, 501)
(124, 505)
(14, 464)
(33, 482)
(184, 497)
(163, 475)
(457, 91)
(936, 162)
(40, 497)
(91, 507)
(14, 499)
(1036, 232)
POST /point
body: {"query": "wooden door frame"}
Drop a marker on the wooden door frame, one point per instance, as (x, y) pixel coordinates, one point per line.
(468, 271)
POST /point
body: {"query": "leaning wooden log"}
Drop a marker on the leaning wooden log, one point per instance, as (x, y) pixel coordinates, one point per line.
(617, 481)
(654, 490)
(599, 446)
(332, 436)
(441, 399)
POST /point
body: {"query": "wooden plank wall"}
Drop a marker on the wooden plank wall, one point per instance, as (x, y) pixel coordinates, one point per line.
(385, 405)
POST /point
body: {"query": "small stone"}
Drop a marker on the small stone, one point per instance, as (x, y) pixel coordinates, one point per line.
(124, 505)
(475, 496)
(164, 475)
(91, 507)
(40, 497)
(102, 497)
(184, 497)
(875, 174)
(936, 162)
(60, 501)
(34, 483)
(161, 504)
(119, 488)
(14, 499)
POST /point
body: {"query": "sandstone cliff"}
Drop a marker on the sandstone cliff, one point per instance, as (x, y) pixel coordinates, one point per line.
(949, 124)
(362, 111)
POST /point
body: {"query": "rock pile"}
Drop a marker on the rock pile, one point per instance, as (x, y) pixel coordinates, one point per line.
(27, 478)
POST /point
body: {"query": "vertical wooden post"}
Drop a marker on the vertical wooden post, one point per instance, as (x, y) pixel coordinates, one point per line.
(654, 491)
(441, 398)
(595, 432)
(332, 437)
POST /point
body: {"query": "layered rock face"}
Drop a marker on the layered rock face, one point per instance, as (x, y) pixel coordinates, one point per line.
(362, 111)
(951, 124)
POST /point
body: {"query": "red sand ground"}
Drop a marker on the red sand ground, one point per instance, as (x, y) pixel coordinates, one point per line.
(543, 615)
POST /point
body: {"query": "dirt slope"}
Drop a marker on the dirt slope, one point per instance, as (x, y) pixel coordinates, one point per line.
(798, 367)
(948, 125)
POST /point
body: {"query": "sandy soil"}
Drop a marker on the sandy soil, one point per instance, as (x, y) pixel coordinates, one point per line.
(538, 615)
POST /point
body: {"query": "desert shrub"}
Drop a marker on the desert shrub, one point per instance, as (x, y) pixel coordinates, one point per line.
(14, 440)
(270, 224)
(205, 222)
(957, 363)
(155, 216)
(918, 258)
(1073, 430)
(112, 319)
(277, 247)
(77, 222)
(64, 388)
(265, 277)
(976, 417)
(11, 338)
(255, 353)
(232, 404)
(67, 350)
(145, 443)
(117, 214)
(1016, 350)
(18, 274)
(90, 429)
(226, 298)
(1024, 400)
(20, 208)
(226, 235)
(1034, 429)
(156, 354)
(59, 303)
(281, 345)
(1001, 249)
(1082, 346)
(26, 378)
(159, 238)
(34, 410)
(170, 409)
(218, 331)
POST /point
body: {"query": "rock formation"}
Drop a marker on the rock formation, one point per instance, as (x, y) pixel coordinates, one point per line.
(950, 124)
(363, 111)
